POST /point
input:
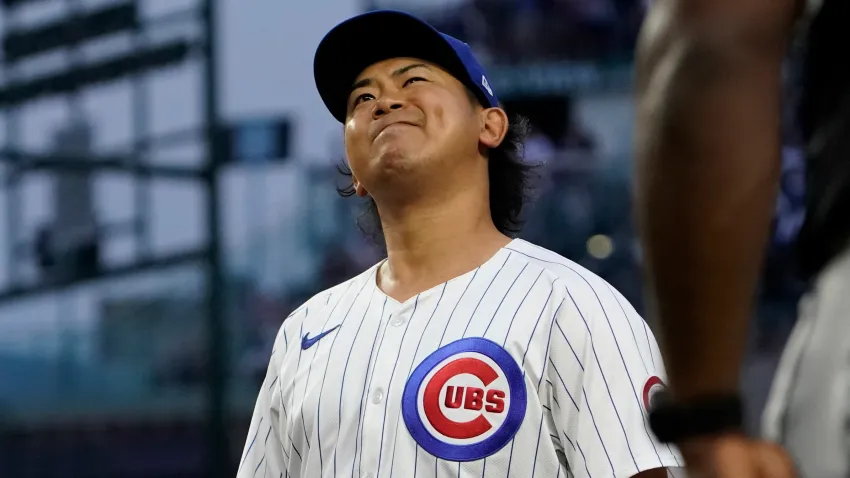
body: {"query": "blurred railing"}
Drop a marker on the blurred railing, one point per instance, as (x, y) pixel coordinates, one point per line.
(137, 346)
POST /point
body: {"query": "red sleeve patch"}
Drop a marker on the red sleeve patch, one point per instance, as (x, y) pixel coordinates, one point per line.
(651, 388)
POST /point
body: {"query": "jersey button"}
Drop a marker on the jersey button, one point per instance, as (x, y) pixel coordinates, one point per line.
(378, 396)
(398, 321)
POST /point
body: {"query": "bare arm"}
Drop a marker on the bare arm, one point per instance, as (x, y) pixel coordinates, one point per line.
(708, 155)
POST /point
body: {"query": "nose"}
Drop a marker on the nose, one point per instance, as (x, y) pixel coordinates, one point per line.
(386, 105)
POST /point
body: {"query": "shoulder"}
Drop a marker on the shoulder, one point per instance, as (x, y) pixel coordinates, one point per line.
(580, 283)
(586, 297)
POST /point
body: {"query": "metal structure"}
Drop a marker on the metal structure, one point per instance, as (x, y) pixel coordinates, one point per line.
(72, 167)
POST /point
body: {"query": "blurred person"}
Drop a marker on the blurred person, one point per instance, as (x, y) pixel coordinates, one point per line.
(710, 93)
(464, 352)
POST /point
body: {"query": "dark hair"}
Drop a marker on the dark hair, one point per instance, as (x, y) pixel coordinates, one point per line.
(824, 119)
(510, 185)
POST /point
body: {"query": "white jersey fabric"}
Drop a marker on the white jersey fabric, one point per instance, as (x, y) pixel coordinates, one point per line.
(528, 366)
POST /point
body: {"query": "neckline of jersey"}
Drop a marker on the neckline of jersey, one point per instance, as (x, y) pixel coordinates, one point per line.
(373, 278)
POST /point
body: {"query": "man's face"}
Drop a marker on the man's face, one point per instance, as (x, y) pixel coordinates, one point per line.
(408, 117)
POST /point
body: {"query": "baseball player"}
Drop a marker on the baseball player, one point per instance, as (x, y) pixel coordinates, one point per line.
(710, 102)
(465, 353)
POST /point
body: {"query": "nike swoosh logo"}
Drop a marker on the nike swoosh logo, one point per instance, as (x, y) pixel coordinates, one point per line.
(307, 342)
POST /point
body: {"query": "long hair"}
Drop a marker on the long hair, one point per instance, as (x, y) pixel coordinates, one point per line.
(510, 185)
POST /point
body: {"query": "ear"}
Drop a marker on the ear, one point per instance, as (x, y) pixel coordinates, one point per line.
(494, 127)
(358, 187)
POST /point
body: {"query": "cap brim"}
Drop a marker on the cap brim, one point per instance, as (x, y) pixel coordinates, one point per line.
(354, 45)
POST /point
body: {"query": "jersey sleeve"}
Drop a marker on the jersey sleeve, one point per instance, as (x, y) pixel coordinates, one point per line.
(263, 454)
(604, 367)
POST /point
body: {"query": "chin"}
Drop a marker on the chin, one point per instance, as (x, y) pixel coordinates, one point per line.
(395, 158)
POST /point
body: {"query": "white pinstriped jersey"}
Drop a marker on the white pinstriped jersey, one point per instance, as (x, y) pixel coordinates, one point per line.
(528, 366)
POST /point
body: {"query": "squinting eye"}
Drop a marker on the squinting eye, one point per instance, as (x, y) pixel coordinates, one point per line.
(362, 98)
(414, 79)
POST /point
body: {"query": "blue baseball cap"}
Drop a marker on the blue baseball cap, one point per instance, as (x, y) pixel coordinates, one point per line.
(361, 41)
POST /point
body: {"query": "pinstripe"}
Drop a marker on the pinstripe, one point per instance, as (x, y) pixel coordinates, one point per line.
(552, 388)
(563, 384)
(392, 374)
(568, 439)
(607, 387)
(643, 362)
(634, 337)
(415, 352)
(595, 427)
(625, 367)
(365, 387)
(254, 439)
(537, 322)
(584, 459)
(345, 368)
(442, 337)
(258, 464)
(620, 353)
(484, 294)
(324, 376)
(316, 351)
(507, 292)
(536, 449)
(502, 301)
(292, 395)
(475, 304)
(578, 360)
(280, 399)
(265, 442)
(648, 343)
(548, 343)
(513, 317)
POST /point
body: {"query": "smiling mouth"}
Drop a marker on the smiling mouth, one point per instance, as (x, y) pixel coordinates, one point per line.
(401, 123)
(388, 127)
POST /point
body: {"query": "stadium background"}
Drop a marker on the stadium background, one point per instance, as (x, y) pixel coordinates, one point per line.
(158, 222)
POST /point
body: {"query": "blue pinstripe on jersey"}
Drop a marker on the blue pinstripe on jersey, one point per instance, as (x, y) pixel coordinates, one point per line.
(502, 301)
(548, 343)
(484, 294)
(362, 409)
(359, 457)
(325, 374)
(510, 299)
(474, 274)
(536, 449)
(531, 336)
(513, 317)
(596, 427)
(392, 375)
(619, 350)
(345, 368)
(316, 351)
(415, 352)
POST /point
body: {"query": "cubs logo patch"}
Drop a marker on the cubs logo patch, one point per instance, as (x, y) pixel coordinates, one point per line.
(651, 388)
(465, 401)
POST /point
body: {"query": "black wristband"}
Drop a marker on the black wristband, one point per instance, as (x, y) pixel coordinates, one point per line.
(708, 415)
